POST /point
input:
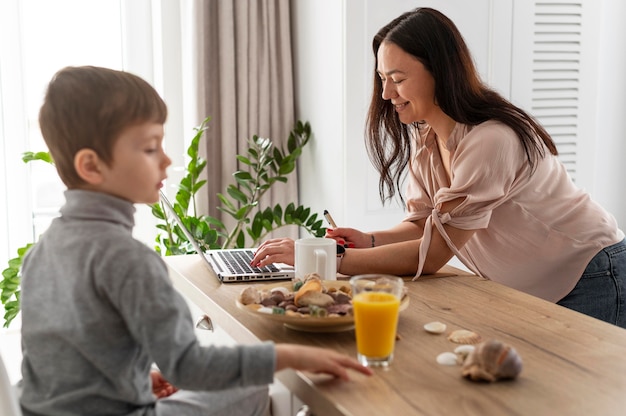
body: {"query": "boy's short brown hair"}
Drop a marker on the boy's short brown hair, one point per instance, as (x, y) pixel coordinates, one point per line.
(89, 107)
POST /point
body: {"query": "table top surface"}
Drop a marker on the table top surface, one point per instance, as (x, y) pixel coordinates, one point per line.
(572, 364)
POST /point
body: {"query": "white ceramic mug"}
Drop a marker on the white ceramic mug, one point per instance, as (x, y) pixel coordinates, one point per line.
(316, 255)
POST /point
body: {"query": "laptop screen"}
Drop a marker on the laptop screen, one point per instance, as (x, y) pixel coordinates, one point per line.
(231, 265)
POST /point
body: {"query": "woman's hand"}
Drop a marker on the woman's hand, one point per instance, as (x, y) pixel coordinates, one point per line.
(160, 386)
(276, 250)
(282, 250)
(349, 237)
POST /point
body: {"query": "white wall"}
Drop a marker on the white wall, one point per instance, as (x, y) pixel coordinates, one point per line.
(334, 67)
(610, 137)
(319, 78)
(334, 70)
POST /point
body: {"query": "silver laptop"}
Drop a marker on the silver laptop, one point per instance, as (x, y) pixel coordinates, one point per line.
(232, 265)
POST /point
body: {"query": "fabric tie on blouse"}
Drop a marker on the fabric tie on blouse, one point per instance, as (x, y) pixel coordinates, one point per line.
(440, 219)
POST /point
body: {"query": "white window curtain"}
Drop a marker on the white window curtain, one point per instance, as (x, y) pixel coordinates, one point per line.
(37, 38)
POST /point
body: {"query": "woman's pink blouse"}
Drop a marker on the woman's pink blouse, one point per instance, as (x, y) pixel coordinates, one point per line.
(534, 232)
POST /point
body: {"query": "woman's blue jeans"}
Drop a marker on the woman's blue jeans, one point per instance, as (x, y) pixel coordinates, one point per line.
(601, 291)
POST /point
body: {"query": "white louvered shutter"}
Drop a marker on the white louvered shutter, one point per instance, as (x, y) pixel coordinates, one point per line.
(548, 70)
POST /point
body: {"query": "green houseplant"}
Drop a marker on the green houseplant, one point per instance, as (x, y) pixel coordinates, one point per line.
(10, 283)
(264, 165)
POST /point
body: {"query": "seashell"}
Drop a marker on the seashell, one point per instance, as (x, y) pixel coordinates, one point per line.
(448, 358)
(491, 361)
(268, 302)
(277, 297)
(250, 295)
(291, 307)
(266, 309)
(283, 290)
(435, 327)
(341, 297)
(340, 309)
(311, 284)
(285, 303)
(463, 351)
(463, 336)
(312, 276)
(312, 298)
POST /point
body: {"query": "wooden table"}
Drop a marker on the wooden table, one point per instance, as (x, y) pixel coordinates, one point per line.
(573, 364)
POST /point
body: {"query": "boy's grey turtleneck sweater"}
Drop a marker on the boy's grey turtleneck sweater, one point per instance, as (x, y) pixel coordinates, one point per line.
(98, 309)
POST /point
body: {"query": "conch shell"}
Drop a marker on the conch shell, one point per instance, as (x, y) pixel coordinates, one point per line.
(491, 361)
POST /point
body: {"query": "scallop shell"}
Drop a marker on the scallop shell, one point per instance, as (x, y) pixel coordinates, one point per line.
(464, 336)
(435, 327)
(312, 276)
(491, 361)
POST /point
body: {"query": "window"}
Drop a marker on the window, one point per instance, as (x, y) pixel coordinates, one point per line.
(39, 37)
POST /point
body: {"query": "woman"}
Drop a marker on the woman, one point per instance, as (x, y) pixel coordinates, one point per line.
(484, 182)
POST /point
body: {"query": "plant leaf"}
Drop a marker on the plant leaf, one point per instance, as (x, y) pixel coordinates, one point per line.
(237, 194)
(32, 156)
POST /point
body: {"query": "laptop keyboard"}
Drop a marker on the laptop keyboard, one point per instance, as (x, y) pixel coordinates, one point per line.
(239, 262)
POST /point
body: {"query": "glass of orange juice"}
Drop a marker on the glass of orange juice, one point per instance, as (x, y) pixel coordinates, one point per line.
(376, 306)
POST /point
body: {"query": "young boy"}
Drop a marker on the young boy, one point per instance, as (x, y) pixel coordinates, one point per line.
(98, 308)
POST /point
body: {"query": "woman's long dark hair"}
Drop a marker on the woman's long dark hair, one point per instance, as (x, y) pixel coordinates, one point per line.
(436, 42)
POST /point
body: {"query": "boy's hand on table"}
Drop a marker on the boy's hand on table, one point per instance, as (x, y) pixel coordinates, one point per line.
(317, 360)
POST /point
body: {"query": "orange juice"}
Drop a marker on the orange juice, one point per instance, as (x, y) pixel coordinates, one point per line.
(375, 320)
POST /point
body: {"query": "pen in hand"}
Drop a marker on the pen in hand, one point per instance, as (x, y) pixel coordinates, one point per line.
(332, 223)
(329, 219)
